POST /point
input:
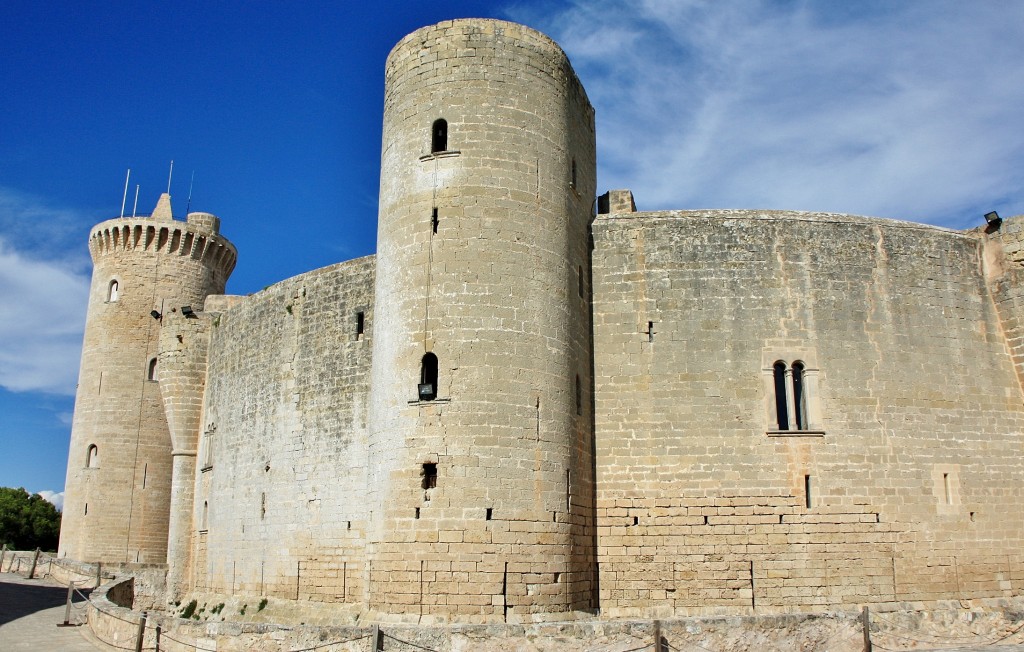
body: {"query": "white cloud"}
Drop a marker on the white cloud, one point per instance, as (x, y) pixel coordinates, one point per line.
(57, 499)
(44, 283)
(907, 110)
(41, 324)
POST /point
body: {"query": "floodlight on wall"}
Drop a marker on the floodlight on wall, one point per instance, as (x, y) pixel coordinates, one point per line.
(426, 391)
(993, 219)
(187, 311)
(155, 315)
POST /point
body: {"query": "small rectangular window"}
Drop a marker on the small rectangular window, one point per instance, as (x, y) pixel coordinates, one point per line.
(360, 324)
(807, 491)
(429, 475)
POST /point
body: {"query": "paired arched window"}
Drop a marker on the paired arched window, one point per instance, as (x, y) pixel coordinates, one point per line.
(428, 377)
(790, 396)
(113, 291)
(92, 457)
(151, 373)
(439, 136)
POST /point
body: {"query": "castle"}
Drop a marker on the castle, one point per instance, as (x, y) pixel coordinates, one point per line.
(530, 404)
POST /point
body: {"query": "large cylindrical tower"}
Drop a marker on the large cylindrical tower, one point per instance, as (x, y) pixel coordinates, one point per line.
(118, 487)
(480, 431)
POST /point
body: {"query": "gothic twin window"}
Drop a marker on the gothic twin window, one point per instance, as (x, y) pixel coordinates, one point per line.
(791, 396)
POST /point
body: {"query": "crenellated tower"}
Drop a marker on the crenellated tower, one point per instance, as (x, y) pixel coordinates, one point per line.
(480, 476)
(118, 489)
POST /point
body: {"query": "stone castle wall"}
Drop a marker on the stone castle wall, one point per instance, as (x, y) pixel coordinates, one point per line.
(911, 450)
(280, 504)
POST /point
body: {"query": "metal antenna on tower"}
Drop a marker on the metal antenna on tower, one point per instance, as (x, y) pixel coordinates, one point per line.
(124, 198)
(188, 204)
(169, 177)
(136, 204)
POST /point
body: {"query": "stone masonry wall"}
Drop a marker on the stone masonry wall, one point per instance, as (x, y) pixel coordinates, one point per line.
(903, 481)
(280, 505)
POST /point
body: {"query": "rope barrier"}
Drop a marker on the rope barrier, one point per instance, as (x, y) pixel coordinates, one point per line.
(195, 646)
(349, 640)
(398, 640)
(961, 641)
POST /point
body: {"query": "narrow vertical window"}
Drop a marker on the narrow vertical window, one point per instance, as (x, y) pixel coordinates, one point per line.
(263, 505)
(429, 475)
(92, 457)
(428, 378)
(439, 136)
(781, 411)
(579, 276)
(572, 177)
(208, 450)
(360, 324)
(203, 523)
(807, 491)
(945, 489)
(112, 291)
(145, 474)
(434, 220)
(799, 398)
(152, 371)
(579, 396)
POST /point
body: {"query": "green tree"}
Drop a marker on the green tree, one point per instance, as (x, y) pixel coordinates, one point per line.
(27, 521)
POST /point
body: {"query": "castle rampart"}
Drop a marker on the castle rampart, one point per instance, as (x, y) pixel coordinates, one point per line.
(280, 507)
(893, 493)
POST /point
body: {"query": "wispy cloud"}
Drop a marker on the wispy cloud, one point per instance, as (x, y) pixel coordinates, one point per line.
(57, 499)
(44, 281)
(907, 110)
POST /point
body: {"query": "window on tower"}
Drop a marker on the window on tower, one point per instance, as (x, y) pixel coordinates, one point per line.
(439, 136)
(151, 373)
(92, 457)
(112, 291)
(428, 378)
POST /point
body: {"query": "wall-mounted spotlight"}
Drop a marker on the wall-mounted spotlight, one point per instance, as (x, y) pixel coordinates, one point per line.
(993, 219)
(155, 315)
(187, 311)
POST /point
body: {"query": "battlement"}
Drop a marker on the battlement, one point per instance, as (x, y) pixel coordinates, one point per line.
(197, 238)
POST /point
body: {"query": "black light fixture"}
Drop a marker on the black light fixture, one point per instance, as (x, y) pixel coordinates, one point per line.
(993, 219)
(187, 311)
(155, 315)
(426, 391)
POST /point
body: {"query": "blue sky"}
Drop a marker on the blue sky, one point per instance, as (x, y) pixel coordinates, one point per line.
(908, 110)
